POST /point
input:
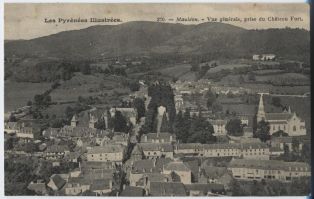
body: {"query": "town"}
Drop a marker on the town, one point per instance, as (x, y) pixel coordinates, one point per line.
(165, 137)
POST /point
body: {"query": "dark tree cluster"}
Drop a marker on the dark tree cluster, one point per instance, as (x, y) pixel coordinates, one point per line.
(234, 127)
(193, 129)
(161, 95)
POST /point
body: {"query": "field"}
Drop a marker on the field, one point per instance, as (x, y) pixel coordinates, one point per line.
(58, 110)
(284, 76)
(104, 87)
(17, 94)
(226, 66)
(180, 71)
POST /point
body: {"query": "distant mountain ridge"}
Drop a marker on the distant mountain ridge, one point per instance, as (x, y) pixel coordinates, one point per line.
(144, 38)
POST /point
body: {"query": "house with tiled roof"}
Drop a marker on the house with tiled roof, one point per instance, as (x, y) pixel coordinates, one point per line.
(131, 191)
(39, 187)
(56, 182)
(56, 151)
(144, 171)
(108, 153)
(286, 121)
(180, 169)
(167, 189)
(157, 150)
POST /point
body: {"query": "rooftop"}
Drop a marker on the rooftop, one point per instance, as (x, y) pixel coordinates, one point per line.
(269, 165)
(110, 148)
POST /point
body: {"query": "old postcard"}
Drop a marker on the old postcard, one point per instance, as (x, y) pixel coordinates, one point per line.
(151, 99)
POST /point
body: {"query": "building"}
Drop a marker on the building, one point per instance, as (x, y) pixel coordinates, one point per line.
(142, 172)
(280, 142)
(199, 189)
(21, 129)
(39, 187)
(167, 189)
(244, 150)
(287, 121)
(158, 138)
(56, 152)
(268, 169)
(219, 127)
(157, 150)
(178, 168)
(56, 182)
(107, 153)
(264, 57)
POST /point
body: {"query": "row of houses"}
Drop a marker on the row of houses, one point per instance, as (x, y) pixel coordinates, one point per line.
(244, 169)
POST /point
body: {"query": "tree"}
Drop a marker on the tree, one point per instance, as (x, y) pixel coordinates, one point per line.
(234, 127)
(120, 123)
(251, 76)
(134, 86)
(211, 98)
(85, 68)
(241, 79)
(295, 144)
(216, 107)
(201, 131)
(280, 133)
(286, 149)
(101, 124)
(139, 105)
(276, 101)
(29, 103)
(262, 131)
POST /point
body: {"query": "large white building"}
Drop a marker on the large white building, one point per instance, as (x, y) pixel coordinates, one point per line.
(286, 121)
(107, 153)
(268, 169)
(241, 150)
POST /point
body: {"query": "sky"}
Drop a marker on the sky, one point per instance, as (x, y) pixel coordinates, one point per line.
(27, 20)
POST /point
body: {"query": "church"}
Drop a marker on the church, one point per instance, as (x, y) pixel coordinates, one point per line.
(286, 121)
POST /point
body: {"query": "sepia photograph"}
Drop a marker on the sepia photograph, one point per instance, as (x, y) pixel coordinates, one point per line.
(157, 99)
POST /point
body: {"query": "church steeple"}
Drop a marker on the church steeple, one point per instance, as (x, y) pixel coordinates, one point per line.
(74, 121)
(261, 111)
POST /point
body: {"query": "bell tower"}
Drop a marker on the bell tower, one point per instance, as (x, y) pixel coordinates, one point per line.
(261, 111)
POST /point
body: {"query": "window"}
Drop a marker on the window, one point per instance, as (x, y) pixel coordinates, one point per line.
(294, 128)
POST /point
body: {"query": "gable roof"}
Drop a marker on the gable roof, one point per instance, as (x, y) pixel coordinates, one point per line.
(58, 180)
(100, 184)
(278, 116)
(167, 189)
(37, 187)
(132, 191)
(177, 166)
(110, 148)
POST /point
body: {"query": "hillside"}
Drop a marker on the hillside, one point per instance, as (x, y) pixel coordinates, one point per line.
(144, 38)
